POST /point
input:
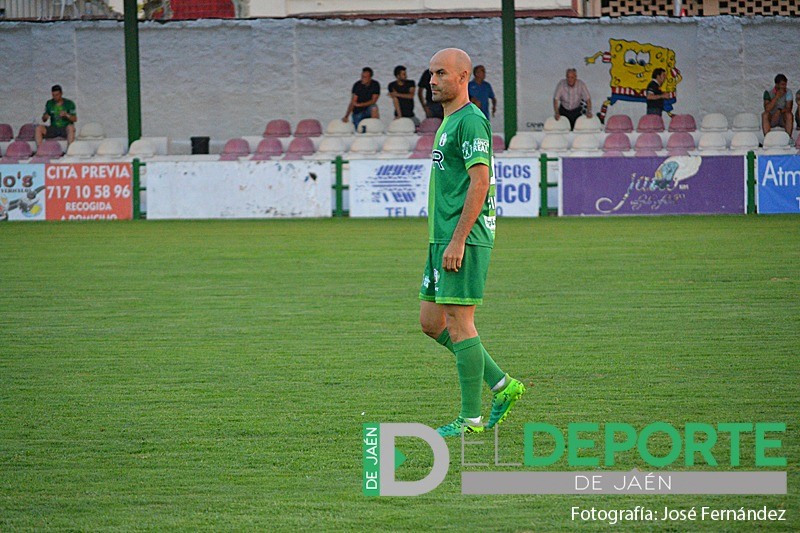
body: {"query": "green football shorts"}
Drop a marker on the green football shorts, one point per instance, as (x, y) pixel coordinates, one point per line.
(464, 287)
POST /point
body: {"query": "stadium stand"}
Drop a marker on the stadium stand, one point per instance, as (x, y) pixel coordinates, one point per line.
(714, 122)
(143, 148)
(648, 143)
(523, 144)
(713, 141)
(6, 133)
(308, 127)
(396, 147)
(111, 148)
(746, 122)
(91, 131)
(80, 150)
(685, 123)
(299, 148)
(422, 150)
(337, 127)
(268, 148)
(18, 150)
(50, 149)
(371, 126)
(619, 124)
(498, 144)
(429, 125)
(329, 148)
(551, 125)
(401, 126)
(680, 143)
(27, 132)
(744, 141)
(586, 143)
(364, 147)
(617, 142)
(278, 128)
(777, 142)
(555, 142)
(650, 124)
(586, 124)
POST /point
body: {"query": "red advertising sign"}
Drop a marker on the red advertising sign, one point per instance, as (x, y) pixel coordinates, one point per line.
(89, 191)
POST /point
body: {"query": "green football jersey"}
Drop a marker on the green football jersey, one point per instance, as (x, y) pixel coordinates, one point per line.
(54, 110)
(464, 139)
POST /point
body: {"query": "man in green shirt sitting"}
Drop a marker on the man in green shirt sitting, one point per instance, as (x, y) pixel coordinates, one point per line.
(61, 114)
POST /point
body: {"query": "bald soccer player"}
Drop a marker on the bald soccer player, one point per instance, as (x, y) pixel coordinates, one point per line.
(461, 225)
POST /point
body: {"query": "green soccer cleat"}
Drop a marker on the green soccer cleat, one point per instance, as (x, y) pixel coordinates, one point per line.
(456, 427)
(504, 400)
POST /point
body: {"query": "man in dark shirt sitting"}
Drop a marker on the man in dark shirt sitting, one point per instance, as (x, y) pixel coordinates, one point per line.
(364, 95)
(402, 93)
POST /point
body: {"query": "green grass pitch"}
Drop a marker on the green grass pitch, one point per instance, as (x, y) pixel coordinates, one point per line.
(213, 375)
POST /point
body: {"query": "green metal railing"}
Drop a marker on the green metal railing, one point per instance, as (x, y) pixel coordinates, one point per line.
(340, 187)
(544, 184)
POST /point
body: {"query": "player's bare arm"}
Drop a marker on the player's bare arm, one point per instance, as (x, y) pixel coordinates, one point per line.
(476, 197)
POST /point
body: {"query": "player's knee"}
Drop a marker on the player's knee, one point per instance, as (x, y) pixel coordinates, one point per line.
(430, 326)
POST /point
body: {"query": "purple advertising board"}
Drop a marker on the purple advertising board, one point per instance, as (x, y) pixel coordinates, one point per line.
(678, 185)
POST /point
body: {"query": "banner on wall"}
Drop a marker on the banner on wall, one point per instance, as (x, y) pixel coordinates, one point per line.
(778, 184)
(22, 192)
(399, 188)
(89, 191)
(678, 185)
(244, 189)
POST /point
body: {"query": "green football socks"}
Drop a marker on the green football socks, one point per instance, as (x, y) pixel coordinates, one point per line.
(469, 361)
(491, 372)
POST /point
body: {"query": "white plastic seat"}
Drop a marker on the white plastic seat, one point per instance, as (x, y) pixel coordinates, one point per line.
(397, 145)
(551, 125)
(586, 124)
(80, 149)
(586, 142)
(337, 127)
(714, 122)
(712, 141)
(142, 148)
(746, 122)
(401, 126)
(778, 142)
(744, 141)
(555, 142)
(91, 130)
(364, 147)
(523, 141)
(371, 126)
(111, 148)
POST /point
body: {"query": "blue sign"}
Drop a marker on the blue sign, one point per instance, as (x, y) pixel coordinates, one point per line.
(779, 184)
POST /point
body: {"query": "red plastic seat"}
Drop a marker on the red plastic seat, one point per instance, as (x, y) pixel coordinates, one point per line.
(19, 150)
(617, 142)
(267, 148)
(680, 141)
(650, 124)
(648, 142)
(278, 128)
(429, 125)
(298, 148)
(308, 127)
(682, 123)
(238, 147)
(27, 132)
(619, 124)
(498, 144)
(6, 133)
(50, 149)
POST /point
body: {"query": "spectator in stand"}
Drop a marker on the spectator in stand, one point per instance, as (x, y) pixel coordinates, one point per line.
(655, 96)
(402, 93)
(778, 107)
(61, 114)
(571, 98)
(365, 94)
(797, 111)
(432, 109)
(480, 91)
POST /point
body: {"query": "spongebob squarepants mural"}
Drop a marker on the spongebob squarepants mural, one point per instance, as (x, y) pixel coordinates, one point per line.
(631, 66)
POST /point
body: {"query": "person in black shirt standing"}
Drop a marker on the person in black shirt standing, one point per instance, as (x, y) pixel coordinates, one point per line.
(655, 96)
(365, 94)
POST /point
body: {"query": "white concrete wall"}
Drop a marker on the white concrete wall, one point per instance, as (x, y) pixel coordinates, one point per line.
(228, 78)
